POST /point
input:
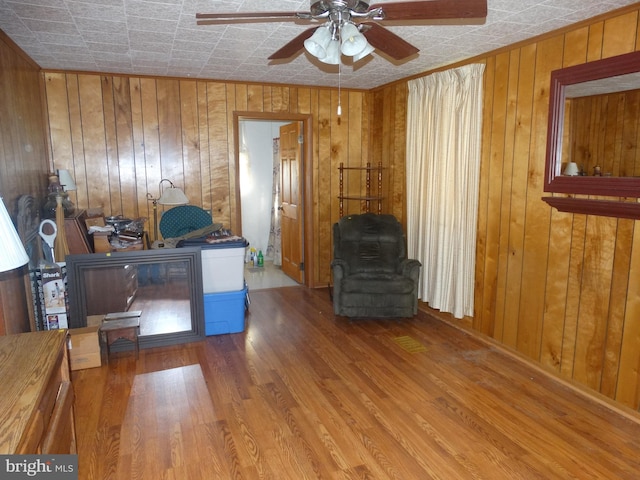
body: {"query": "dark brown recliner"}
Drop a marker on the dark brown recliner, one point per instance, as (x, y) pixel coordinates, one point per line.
(371, 273)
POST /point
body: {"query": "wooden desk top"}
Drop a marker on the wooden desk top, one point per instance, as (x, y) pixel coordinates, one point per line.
(27, 361)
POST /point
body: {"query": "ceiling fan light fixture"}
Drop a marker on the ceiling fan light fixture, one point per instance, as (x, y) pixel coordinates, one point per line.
(353, 42)
(356, 17)
(333, 53)
(318, 43)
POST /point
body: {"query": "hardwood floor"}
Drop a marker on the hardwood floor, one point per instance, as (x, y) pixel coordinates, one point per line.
(301, 394)
(165, 308)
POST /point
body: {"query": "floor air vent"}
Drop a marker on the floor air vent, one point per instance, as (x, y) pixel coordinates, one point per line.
(410, 345)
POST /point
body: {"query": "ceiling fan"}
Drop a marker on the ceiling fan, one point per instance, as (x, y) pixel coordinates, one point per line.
(353, 28)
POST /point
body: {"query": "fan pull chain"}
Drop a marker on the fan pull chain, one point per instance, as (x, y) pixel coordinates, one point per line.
(339, 87)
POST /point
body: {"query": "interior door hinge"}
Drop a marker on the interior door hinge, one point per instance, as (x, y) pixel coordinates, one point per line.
(302, 266)
(300, 139)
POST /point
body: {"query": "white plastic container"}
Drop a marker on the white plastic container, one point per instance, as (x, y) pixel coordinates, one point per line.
(222, 269)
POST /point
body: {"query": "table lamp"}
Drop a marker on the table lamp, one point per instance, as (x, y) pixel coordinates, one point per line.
(59, 184)
(571, 169)
(171, 196)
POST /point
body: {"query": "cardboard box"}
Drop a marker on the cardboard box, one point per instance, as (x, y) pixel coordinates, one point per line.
(84, 347)
(94, 320)
(101, 242)
(224, 312)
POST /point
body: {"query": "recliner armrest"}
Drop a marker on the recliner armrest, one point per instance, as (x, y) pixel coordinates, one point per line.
(410, 268)
(340, 268)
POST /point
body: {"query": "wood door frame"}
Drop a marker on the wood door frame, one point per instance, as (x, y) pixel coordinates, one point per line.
(307, 172)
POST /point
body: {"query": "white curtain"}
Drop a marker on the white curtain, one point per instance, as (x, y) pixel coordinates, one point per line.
(444, 123)
(274, 247)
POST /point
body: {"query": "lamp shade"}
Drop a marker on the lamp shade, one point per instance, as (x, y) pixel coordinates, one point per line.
(367, 51)
(173, 196)
(317, 44)
(353, 42)
(333, 53)
(65, 179)
(13, 253)
(571, 169)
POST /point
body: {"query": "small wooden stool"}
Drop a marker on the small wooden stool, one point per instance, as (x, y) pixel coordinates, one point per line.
(126, 328)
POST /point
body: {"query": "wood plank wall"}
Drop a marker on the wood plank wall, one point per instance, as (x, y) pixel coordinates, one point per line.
(561, 289)
(119, 136)
(23, 152)
(604, 132)
(23, 163)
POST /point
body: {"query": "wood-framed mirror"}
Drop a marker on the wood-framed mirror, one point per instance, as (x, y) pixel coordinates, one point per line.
(594, 124)
(164, 284)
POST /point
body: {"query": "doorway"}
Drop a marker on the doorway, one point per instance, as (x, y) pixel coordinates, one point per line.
(257, 167)
(257, 153)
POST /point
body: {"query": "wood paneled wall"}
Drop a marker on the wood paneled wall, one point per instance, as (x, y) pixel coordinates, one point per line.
(604, 132)
(23, 153)
(23, 163)
(119, 136)
(561, 289)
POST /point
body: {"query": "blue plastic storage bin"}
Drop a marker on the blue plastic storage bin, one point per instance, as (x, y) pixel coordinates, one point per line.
(224, 312)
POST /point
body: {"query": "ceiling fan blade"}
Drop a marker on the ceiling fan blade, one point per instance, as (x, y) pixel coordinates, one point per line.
(433, 9)
(388, 42)
(247, 17)
(293, 47)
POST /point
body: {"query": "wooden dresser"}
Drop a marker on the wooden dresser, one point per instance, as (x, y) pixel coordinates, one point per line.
(36, 405)
(122, 284)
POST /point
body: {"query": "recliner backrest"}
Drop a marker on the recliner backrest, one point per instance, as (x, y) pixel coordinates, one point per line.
(369, 242)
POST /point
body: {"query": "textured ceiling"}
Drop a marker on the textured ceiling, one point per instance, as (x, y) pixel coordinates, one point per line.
(161, 38)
